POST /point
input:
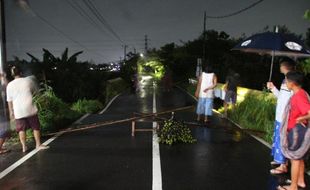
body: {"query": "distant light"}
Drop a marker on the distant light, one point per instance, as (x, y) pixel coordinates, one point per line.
(141, 55)
(91, 68)
(54, 68)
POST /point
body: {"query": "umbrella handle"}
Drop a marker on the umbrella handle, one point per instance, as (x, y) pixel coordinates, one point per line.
(271, 66)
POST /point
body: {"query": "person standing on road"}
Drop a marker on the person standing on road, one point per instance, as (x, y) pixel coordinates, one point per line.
(283, 96)
(295, 141)
(22, 109)
(230, 89)
(4, 127)
(205, 93)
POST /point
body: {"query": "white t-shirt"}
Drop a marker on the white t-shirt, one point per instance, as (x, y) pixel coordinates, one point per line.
(283, 95)
(20, 92)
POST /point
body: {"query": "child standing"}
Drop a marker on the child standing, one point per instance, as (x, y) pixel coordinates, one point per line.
(283, 96)
(296, 133)
(205, 93)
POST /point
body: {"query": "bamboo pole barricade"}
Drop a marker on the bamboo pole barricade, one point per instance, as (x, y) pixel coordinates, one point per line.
(133, 119)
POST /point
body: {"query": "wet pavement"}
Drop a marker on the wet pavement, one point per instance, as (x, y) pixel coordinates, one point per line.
(109, 158)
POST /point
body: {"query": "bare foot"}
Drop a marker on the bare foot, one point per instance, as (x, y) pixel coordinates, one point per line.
(25, 149)
(42, 147)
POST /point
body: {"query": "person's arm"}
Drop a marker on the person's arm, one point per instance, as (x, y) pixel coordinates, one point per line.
(198, 87)
(214, 84)
(273, 89)
(11, 111)
(303, 105)
(304, 118)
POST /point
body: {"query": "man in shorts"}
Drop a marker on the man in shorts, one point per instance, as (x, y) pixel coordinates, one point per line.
(22, 109)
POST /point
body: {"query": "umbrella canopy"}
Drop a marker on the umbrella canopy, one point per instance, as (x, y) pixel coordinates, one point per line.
(274, 44)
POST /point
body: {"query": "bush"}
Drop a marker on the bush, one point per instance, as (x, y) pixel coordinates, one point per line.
(256, 111)
(53, 112)
(114, 87)
(175, 131)
(87, 106)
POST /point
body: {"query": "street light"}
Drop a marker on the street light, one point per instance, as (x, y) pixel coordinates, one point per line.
(141, 55)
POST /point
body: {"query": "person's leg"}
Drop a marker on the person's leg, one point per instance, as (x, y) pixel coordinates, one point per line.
(22, 138)
(200, 108)
(208, 109)
(301, 176)
(1, 143)
(295, 174)
(37, 137)
(278, 157)
(225, 108)
(35, 125)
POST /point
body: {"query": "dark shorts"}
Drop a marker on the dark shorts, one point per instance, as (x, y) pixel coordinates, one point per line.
(28, 122)
(230, 97)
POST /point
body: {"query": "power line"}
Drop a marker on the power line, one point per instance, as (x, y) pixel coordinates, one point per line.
(61, 32)
(101, 19)
(75, 5)
(237, 12)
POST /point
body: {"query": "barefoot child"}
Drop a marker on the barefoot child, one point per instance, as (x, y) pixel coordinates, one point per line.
(295, 132)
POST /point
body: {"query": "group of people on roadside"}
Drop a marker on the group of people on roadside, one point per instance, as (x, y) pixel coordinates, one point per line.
(291, 139)
(22, 110)
(205, 92)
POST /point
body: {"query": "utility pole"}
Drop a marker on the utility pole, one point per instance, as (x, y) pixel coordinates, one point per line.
(204, 38)
(125, 51)
(3, 113)
(145, 44)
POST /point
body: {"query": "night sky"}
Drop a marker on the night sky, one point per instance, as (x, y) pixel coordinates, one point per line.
(164, 21)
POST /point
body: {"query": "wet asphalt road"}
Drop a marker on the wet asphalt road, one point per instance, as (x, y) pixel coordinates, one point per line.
(109, 158)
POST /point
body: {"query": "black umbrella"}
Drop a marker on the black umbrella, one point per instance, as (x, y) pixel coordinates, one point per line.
(274, 44)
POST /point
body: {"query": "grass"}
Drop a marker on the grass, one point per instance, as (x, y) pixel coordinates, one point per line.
(256, 112)
(87, 106)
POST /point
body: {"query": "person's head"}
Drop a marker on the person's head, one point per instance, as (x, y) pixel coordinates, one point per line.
(209, 69)
(15, 71)
(294, 79)
(287, 65)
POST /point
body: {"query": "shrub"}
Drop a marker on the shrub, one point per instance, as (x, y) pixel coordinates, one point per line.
(256, 111)
(53, 112)
(87, 106)
(114, 87)
(175, 131)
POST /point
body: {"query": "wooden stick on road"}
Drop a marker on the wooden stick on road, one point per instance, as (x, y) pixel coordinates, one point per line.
(112, 122)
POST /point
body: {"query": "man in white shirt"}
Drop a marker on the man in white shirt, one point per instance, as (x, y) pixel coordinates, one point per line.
(22, 108)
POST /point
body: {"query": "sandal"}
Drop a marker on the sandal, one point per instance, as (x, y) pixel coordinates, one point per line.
(274, 163)
(282, 187)
(278, 171)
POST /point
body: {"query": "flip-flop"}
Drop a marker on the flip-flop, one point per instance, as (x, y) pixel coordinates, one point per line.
(288, 182)
(282, 187)
(274, 163)
(277, 171)
(3, 151)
